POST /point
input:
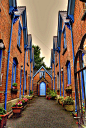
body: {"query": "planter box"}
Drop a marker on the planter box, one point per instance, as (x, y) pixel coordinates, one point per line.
(17, 109)
(24, 105)
(68, 108)
(4, 120)
(59, 101)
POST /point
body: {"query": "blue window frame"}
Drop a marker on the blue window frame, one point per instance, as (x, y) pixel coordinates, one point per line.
(65, 42)
(14, 71)
(69, 72)
(42, 73)
(19, 34)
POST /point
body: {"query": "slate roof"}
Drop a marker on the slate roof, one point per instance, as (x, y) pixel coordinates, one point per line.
(20, 10)
(64, 15)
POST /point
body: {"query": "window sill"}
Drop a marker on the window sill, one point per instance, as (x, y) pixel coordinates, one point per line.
(64, 50)
(19, 48)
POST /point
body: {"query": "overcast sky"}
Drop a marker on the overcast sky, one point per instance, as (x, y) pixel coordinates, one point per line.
(42, 22)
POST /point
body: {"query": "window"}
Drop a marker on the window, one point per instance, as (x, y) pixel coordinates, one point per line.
(69, 72)
(19, 34)
(42, 73)
(14, 71)
(65, 43)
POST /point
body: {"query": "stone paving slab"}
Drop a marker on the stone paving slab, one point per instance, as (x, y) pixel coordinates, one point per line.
(42, 113)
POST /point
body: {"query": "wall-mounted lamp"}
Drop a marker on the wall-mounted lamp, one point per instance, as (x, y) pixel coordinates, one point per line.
(21, 67)
(1, 44)
(61, 69)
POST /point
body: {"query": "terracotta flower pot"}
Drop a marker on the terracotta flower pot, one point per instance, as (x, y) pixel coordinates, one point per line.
(17, 109)
(4, 120)
(69, 108)
(59, 100)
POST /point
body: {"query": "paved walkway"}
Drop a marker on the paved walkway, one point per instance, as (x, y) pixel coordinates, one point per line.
(43, 113)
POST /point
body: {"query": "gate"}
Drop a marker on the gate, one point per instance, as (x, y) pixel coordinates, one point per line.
(80, 83)
(42, 89)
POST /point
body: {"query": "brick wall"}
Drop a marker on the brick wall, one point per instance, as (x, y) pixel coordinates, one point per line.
(36, 78)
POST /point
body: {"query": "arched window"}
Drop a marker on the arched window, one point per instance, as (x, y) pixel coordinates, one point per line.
(68, 72)
(14, 70)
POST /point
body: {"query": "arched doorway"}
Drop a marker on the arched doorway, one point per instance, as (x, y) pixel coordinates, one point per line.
(80, 82)
(42, 89)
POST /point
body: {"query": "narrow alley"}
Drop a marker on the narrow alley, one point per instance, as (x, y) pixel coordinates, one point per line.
(42, 113)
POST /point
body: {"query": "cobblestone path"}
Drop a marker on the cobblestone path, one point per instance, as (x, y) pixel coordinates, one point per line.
(42, 113)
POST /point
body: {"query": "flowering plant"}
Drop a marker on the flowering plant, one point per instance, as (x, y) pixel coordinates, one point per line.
(68, 101)
(19, 104)
(25, 99)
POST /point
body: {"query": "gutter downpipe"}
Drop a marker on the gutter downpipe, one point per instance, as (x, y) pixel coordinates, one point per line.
(54, 71)
(30, 77)
(63, 82)
(73, 62)
(59, 73)
(51, 80)
(24, 72)
(8, 62)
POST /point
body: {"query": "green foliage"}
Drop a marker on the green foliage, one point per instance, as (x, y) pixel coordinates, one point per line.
(2, 111)
(0, 118)
(61, 97)
(52, 93)
(38, 60)
(14, 84)
(31, 92)
(68, 101)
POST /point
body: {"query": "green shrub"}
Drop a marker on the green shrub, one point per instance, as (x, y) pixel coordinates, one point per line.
(31, 92)
(14, 84)
(2, 111)
(68, 101)
(61, 98)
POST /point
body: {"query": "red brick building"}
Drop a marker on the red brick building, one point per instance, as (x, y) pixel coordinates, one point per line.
(15, 55)
(71, 46)
(42, 80)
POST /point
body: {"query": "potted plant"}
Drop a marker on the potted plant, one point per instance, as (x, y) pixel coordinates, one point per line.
(68, 89)
(14, 85)
(17, 107)
(68, 103)
(60, 99)
(53, 94)
(3, 117)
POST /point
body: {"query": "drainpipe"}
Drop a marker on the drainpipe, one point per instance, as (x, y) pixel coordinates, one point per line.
(8, 62)
(73, 61)
(54, 72)
(63, 82)
(32, 84)
(24, 72)
(51, 79)
(20, 83)
(59, 73)
(30, 77)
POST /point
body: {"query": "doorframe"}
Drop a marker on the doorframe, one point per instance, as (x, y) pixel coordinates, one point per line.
(45, 88)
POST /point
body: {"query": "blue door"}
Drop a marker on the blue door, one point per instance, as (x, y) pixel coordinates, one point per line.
(42, 89)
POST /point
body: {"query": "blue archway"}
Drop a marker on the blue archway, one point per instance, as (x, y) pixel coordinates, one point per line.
(42, 89)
